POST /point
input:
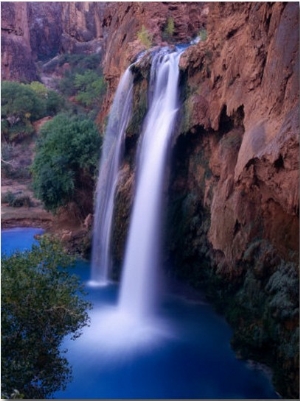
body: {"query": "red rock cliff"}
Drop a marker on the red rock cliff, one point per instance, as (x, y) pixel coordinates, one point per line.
(248, 69)
(236, 182)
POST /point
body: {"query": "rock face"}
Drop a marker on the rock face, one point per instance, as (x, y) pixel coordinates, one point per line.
(38, 31)
(233, 215)
(125, 20)
(244, 84)
(234, 190)
(16, 61)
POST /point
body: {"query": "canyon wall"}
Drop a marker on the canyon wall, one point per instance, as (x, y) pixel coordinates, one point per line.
(232, 221)
(39, 31)
(235, 177)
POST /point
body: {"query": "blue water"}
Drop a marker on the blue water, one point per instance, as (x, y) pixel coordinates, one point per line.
(184, 353)
(20, 239)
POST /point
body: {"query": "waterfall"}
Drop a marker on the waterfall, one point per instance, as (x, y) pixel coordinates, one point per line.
(142, 255)
(108, 177)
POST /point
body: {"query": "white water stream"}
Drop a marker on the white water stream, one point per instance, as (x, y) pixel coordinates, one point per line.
(142, 257)
(108, 178)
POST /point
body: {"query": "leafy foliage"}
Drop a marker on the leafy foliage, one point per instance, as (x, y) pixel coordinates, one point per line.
(41, 303)
(283, 285)
(203, 35)
(22, 104)
(168, 30)
(90, 88)
(145, 37)
(68, 147)
(83, 79)
(18, 200)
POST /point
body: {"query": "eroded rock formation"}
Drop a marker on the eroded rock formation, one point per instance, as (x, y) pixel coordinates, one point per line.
(237, 165)
(39, 31)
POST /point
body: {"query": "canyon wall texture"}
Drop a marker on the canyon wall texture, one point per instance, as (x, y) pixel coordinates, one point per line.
(39, 31)
(233, 205)
(236, 190)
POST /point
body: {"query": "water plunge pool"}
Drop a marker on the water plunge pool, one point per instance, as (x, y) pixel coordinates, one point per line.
(184, 352)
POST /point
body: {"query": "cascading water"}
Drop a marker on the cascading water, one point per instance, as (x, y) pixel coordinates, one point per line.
(108, 177)
(142, 256)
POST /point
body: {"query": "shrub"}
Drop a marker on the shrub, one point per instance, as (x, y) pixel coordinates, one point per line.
(145, 37)
(21, 200)
(169, 28)
(16, 200)
(22, 104)
(84, 79)
(90, 87)
(54, 103)
(203, 35)
(8, 197)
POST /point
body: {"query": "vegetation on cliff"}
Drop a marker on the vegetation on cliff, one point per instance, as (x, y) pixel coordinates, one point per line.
(41, 303)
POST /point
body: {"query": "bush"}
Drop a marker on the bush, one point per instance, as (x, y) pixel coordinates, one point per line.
(68, 148)
(22, 105)
(81, 62)
(90, 88)
(54, 103)
(41, 303)
(203, 35)
(84, 79)
(145, 37)
(21, 200)
(169, 28)
(16, 200)
(8, 197)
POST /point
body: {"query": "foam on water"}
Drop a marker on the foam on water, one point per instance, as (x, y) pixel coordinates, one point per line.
(117, 335)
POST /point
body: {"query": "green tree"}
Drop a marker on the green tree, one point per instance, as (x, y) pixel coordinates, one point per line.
(38, 88)
(19, 102)
(20, 106)
(90, 87)
(54, 103)
(83, 79)
(41, 303)
(67, 151)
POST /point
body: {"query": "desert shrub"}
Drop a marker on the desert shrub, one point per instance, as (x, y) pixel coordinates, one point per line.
(16, 200)
(21, 200)
(54, 103)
